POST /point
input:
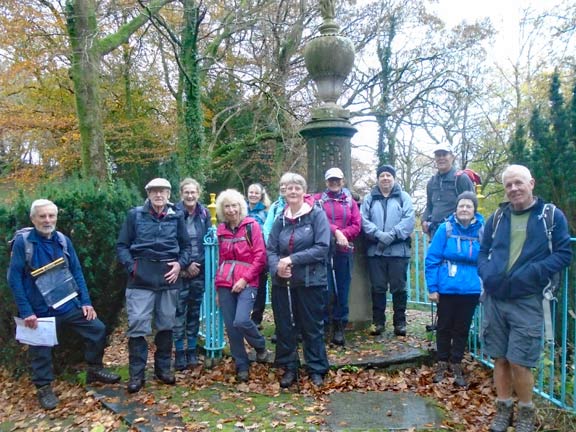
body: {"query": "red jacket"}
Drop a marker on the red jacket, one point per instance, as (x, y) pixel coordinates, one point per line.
(342, 212)
(237, 257)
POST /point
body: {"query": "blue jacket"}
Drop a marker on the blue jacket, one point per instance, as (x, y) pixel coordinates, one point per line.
(459, 251)
(259, 213)
(535, 265)
(276, 210)
(27, 296)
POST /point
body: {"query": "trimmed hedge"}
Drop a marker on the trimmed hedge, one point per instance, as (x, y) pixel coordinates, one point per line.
(91, 214)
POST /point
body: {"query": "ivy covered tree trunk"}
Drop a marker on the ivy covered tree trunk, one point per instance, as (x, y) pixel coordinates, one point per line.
(386, 146)
(87, 52)
(191, 157)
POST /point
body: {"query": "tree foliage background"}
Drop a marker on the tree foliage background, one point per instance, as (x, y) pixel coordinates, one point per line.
(132, 89)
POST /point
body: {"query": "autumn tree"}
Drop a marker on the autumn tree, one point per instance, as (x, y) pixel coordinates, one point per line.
(88, 48)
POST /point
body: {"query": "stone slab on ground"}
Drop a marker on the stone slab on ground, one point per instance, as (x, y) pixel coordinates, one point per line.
(381, 411)
(404, 356)
(138, 415)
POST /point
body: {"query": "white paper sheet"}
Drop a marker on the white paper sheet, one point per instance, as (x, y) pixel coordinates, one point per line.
(43, 335)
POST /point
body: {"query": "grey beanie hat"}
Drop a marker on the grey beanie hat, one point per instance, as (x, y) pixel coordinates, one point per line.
(470, 196)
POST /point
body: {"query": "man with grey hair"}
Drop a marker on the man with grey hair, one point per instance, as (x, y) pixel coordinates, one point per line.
(50, 256)
(443, 189)
(519, 255)
(153, 246)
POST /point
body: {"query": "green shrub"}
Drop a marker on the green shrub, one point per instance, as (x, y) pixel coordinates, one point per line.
(90, 213)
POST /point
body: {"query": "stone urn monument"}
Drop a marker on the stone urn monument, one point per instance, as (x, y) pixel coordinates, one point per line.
(329, 59)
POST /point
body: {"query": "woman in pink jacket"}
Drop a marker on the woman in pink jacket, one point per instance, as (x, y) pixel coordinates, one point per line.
(242, 258)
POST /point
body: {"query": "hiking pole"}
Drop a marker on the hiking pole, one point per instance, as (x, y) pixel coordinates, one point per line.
(293, 325)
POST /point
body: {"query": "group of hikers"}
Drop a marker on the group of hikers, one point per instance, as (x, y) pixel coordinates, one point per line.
(304, 245)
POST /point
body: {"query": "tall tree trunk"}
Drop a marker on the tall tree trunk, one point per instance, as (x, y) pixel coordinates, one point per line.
(87, 53)
(82, 29)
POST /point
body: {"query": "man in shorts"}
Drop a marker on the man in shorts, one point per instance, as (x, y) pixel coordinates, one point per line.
(516, 264)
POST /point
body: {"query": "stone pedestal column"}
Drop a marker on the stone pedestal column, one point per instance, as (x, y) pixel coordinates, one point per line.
(329, 59)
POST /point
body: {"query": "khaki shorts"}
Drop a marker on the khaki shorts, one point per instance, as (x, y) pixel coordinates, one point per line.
(513, 329)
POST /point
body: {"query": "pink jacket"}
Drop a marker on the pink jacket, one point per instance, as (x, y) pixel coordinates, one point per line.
(342, 212)
(242, 254)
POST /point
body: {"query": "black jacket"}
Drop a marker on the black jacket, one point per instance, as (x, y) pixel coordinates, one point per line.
(147, 238)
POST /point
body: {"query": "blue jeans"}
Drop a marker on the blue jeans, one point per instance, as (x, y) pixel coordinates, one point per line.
(94, 334)
(341, 263)
(236, 308)
(188, 314)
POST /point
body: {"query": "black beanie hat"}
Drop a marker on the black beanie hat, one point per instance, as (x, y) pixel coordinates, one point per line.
(386, 168)
(470, 196)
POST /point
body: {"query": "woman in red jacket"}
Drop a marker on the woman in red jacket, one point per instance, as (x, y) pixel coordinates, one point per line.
(242, 257)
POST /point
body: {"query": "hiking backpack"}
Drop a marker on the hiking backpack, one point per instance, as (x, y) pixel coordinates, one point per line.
(449, 234)
(472, 175)
(29, 246)
(547, 218)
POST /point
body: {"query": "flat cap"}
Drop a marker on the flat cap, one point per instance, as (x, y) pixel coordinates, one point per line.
(158, 183)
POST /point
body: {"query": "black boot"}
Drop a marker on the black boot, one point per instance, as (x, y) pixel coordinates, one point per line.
(338, 337)
(180, 360)
(399, 300)
(163, 357)
(137, 354)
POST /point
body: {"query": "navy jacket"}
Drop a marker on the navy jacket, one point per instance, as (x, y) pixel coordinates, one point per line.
(306, 239)
(535, 266)
(27, 296)
(146, 237)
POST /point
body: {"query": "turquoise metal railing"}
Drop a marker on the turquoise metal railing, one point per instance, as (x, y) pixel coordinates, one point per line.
(555, 378)
(211, 322)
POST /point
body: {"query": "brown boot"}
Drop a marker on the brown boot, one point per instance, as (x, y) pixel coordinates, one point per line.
(459, 379)
(503, 419)
(440, 372)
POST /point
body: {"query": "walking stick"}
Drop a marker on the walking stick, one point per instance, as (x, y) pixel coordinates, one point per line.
(293, 325)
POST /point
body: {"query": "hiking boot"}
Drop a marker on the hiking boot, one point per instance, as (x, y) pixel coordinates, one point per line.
(101, 375)
(441, 369)
(167, 378)
(46, 397)
(180, 360)
(338, 337)
(262, 355)
(458, 374)
(376, 329)
(316, 379)
(242, 376)
(525, 419)
(288, 379)
(191, 358)
(135, 384)
(503, 417)
(400, 330)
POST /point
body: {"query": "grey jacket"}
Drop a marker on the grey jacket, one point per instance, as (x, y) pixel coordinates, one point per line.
(388, 222)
